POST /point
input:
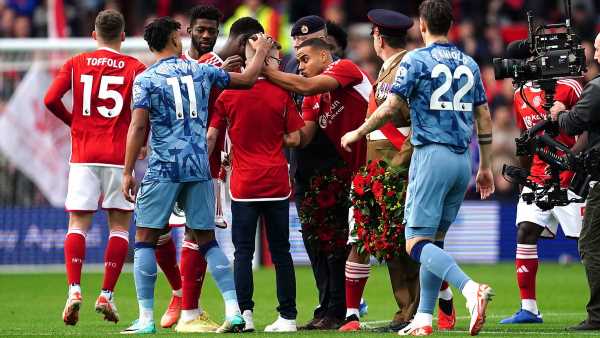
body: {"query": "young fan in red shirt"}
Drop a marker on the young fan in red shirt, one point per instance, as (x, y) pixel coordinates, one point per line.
(532, 222)
(101, 84)
(336, 96)
(260, 185)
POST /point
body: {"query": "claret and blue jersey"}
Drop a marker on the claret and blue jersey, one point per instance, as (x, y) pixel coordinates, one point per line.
(442, 86)
(176, 92)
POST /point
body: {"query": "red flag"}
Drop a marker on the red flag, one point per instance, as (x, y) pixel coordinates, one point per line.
(57, 22)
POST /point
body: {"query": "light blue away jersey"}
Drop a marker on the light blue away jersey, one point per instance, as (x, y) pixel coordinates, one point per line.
(176, 92)
(442, 86)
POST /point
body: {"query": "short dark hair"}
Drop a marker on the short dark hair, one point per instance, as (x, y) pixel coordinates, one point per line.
(246, 26)
(109, 25)
(205, 12)
(437, 15)
(317, 43)
(398, 41)
(157, 32)
(338, 33)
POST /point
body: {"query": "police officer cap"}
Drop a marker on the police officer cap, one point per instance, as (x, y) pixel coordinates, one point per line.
(307, 25)
(390, 23)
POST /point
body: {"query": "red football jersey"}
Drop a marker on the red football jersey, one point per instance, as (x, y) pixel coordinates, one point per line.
(342, 110)
(101, 83)
(214, 59)
(257, 119)
(567, 92)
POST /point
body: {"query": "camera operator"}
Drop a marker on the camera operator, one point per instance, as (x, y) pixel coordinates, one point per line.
(585, 116)
(533, 222)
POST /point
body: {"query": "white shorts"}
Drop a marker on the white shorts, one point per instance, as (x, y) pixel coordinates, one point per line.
(569, 217)
(351, 224)
(88, 183)
(177, 218)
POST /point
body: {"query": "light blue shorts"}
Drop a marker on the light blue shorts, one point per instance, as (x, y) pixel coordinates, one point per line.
(438, 179)
(155, 201)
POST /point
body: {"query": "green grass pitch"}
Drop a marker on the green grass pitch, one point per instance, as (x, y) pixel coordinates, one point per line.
(31, 304)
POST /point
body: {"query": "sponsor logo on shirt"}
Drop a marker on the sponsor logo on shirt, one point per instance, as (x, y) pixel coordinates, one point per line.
(327, 118)
(531, 120)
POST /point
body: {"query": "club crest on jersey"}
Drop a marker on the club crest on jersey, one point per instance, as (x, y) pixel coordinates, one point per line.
(383, 89)
(537, 101)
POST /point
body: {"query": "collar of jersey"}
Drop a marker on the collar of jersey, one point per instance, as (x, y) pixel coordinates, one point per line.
(442, 43)
(108, 49)
(167, 58)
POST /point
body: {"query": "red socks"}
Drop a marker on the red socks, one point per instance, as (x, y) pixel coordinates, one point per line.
(526, 264)
(166, 257)
(356, 278)
(114, 257)
(193, 268)
(74, 255)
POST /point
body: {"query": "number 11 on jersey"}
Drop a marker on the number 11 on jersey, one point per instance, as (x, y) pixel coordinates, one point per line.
(189, 83)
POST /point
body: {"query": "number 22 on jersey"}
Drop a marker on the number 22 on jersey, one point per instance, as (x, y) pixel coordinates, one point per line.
(456, 104)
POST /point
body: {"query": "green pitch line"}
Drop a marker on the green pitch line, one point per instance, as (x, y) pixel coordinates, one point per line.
(31, 304)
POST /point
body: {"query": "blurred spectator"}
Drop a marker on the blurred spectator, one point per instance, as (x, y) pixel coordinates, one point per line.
(338, 38)
(503, 149)
(22, 27)
(275, 23)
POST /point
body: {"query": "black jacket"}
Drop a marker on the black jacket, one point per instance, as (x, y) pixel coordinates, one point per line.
(585, 115)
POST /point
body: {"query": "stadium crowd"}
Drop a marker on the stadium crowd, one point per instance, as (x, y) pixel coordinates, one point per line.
(482, 36)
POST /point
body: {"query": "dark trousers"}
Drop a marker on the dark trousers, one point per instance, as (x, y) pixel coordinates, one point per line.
(589, 249)
(244, 218)
(329, 272)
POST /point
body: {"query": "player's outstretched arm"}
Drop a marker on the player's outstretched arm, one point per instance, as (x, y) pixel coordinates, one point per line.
(136, 139)
(485, 178)
(246, 79)
(299, 84)
(59, 87)
(393, 106)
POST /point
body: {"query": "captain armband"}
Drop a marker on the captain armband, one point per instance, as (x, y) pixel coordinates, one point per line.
(484, 138)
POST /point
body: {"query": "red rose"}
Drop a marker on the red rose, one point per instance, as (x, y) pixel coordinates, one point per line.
(390, 193)
(360, 183)
(335, 187)
(320, 215)
(316, 181)
(360, 231)
(325, 234)
(325, 199)
(378, 190)
(358, 217)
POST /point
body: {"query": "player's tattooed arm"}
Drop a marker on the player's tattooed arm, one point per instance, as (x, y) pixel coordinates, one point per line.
(136, 137)
(485, 178)
(394, 106)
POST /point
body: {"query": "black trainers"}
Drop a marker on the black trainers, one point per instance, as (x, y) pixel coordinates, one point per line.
(585, 325)
(391, 327)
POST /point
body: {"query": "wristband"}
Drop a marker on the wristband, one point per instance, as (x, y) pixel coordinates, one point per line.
(484, 138)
